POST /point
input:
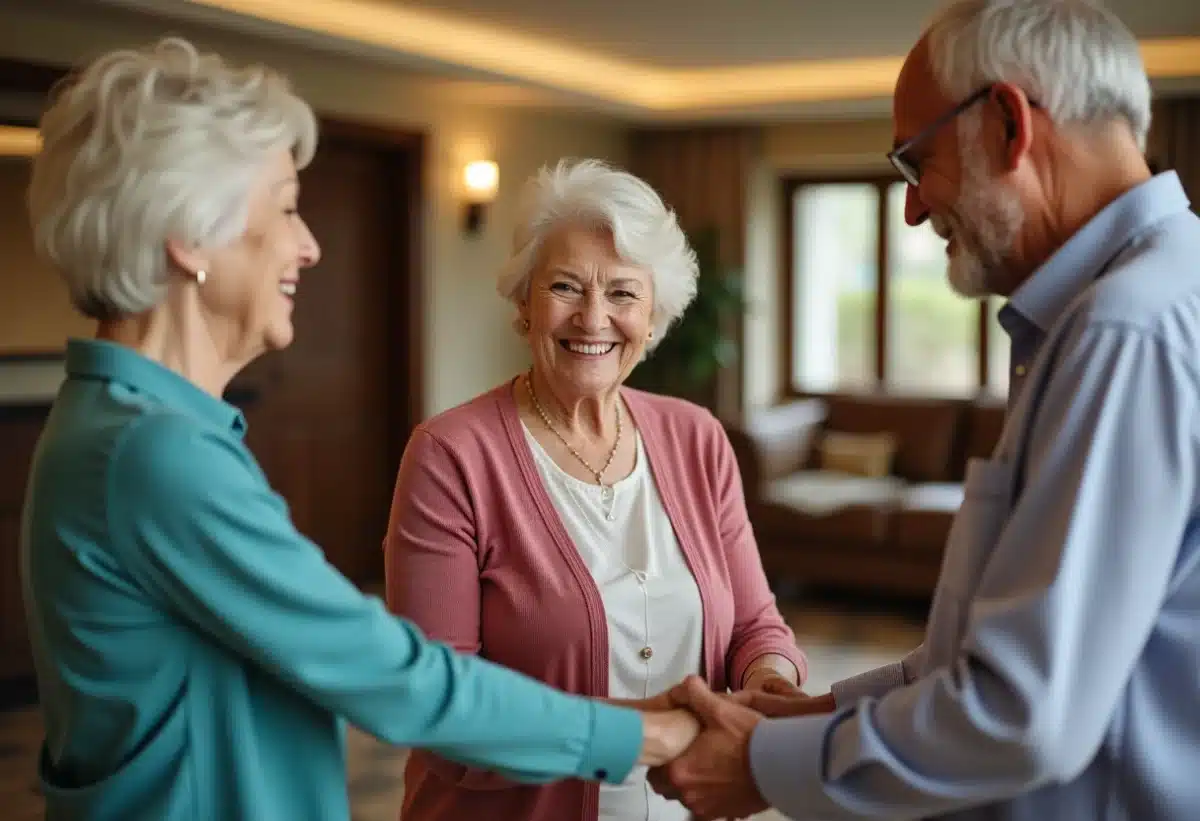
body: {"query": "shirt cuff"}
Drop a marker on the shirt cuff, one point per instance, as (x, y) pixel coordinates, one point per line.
(874, 683)
(614, 746)
(787, 758)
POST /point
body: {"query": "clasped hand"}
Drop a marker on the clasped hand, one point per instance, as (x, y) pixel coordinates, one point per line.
(711, 776)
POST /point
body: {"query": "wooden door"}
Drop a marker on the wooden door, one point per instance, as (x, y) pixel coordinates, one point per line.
(20, 427)
(328, 419)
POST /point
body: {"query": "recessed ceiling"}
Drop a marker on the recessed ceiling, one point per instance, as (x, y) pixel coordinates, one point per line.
(714, 33)
(656, 59)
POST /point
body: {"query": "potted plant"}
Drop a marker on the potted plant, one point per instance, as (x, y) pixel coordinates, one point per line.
(701, 342)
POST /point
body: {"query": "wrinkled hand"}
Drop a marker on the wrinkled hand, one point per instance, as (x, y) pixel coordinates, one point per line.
(712, 778)
(795, 703)
(666, 734)
(766, 680)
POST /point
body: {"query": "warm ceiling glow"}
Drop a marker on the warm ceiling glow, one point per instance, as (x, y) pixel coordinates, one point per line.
(481, 179)
(1171, 57)
(454, 41)
(547, 64)
(19, 142)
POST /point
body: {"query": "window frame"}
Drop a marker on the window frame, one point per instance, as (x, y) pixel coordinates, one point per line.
(789, 186)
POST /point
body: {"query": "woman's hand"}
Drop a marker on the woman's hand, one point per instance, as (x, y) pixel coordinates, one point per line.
(771, 681)
(653, 704)
(774, 705)
(666, 735)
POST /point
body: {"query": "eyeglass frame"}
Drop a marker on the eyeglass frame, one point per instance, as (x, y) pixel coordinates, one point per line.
(910, 171)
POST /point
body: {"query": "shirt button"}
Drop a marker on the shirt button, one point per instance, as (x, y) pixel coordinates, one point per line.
(646, 653)
(601, 775)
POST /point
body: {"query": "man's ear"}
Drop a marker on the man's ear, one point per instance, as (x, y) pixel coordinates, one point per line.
(1016, 114)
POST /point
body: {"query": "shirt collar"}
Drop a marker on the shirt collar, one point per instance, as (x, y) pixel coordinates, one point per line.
(1046, 294)
(99, 359)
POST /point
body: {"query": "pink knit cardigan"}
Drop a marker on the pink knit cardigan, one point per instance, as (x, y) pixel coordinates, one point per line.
(477, 556)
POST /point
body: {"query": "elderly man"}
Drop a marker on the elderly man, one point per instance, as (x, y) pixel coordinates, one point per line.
(1059, 673)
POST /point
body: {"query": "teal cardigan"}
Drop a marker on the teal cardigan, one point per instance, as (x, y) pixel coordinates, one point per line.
(196, 655)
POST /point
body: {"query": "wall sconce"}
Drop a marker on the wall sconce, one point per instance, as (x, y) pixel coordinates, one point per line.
(19, 142)
(480, 181)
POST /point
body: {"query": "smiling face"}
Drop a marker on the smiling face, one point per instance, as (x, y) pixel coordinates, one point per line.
(250, 283)
(965, 202)
(982, 227)
(589, 312)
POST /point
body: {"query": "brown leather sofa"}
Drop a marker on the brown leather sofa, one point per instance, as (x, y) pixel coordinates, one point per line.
(821, 521)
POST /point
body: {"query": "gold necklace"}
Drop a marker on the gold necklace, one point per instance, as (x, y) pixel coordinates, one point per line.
(606, 491)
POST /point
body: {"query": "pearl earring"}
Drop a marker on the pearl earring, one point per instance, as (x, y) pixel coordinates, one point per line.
(201, 275)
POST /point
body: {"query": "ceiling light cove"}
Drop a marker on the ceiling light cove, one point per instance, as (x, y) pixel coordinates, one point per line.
(458, 42)
(542, 62)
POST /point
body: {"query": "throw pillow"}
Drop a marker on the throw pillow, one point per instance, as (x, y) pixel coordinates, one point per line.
(860, 454)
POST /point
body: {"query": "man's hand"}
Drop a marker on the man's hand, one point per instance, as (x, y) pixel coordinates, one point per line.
(713, 779)
(785, 705)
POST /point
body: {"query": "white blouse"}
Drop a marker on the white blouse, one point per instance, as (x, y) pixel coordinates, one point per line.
(651, 602)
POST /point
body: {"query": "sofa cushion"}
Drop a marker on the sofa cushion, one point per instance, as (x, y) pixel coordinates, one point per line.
(926, 430)
(774, 442)
(821, 492)
(859, 454)
(823, 507)
(943, 497)
(921, 523)
(984, 424)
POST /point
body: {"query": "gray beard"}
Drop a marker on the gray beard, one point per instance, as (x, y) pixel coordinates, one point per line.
(995, 216)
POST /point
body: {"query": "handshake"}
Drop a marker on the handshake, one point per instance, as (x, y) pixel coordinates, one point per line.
(697, 742)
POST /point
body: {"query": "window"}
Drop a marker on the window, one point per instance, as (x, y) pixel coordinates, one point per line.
(868, 305)
(835, 311)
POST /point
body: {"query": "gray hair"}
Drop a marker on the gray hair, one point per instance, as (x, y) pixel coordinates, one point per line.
(1074, 57)
(149, 145)
(644, 231)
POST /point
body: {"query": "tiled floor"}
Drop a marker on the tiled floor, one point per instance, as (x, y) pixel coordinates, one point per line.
(839, 641)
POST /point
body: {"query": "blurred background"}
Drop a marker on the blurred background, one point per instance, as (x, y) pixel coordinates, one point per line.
(852, 382)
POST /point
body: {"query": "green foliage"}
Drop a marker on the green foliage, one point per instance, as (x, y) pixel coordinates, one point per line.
(931, 313)
(931, 328)
(699, 344)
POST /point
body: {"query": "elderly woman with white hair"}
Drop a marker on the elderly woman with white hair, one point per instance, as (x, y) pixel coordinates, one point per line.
(584, 533)
(196, 656)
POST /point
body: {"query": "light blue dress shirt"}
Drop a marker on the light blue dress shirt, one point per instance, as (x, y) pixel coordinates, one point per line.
(1060, 673)
(196, 654)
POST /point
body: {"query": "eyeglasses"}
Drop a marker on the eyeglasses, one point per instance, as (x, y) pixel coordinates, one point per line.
(909, 168)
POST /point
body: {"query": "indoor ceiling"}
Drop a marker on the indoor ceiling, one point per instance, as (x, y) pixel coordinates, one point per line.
(715, 33)
(657, 59)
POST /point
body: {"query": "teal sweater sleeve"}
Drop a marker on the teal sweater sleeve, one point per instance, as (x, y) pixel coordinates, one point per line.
(201, 530)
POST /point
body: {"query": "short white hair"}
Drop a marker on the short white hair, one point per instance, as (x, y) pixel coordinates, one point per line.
(142, 146)
(1075, 58)
(645, 232)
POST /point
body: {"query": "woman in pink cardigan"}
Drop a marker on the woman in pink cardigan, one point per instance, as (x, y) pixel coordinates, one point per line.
(588, 535)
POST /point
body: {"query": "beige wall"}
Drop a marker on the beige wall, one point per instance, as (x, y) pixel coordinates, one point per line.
(35, 313)
(469, 343)
(830, 146)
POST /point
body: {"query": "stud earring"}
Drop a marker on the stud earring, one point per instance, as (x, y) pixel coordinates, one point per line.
(201, 275)
(525, 325)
